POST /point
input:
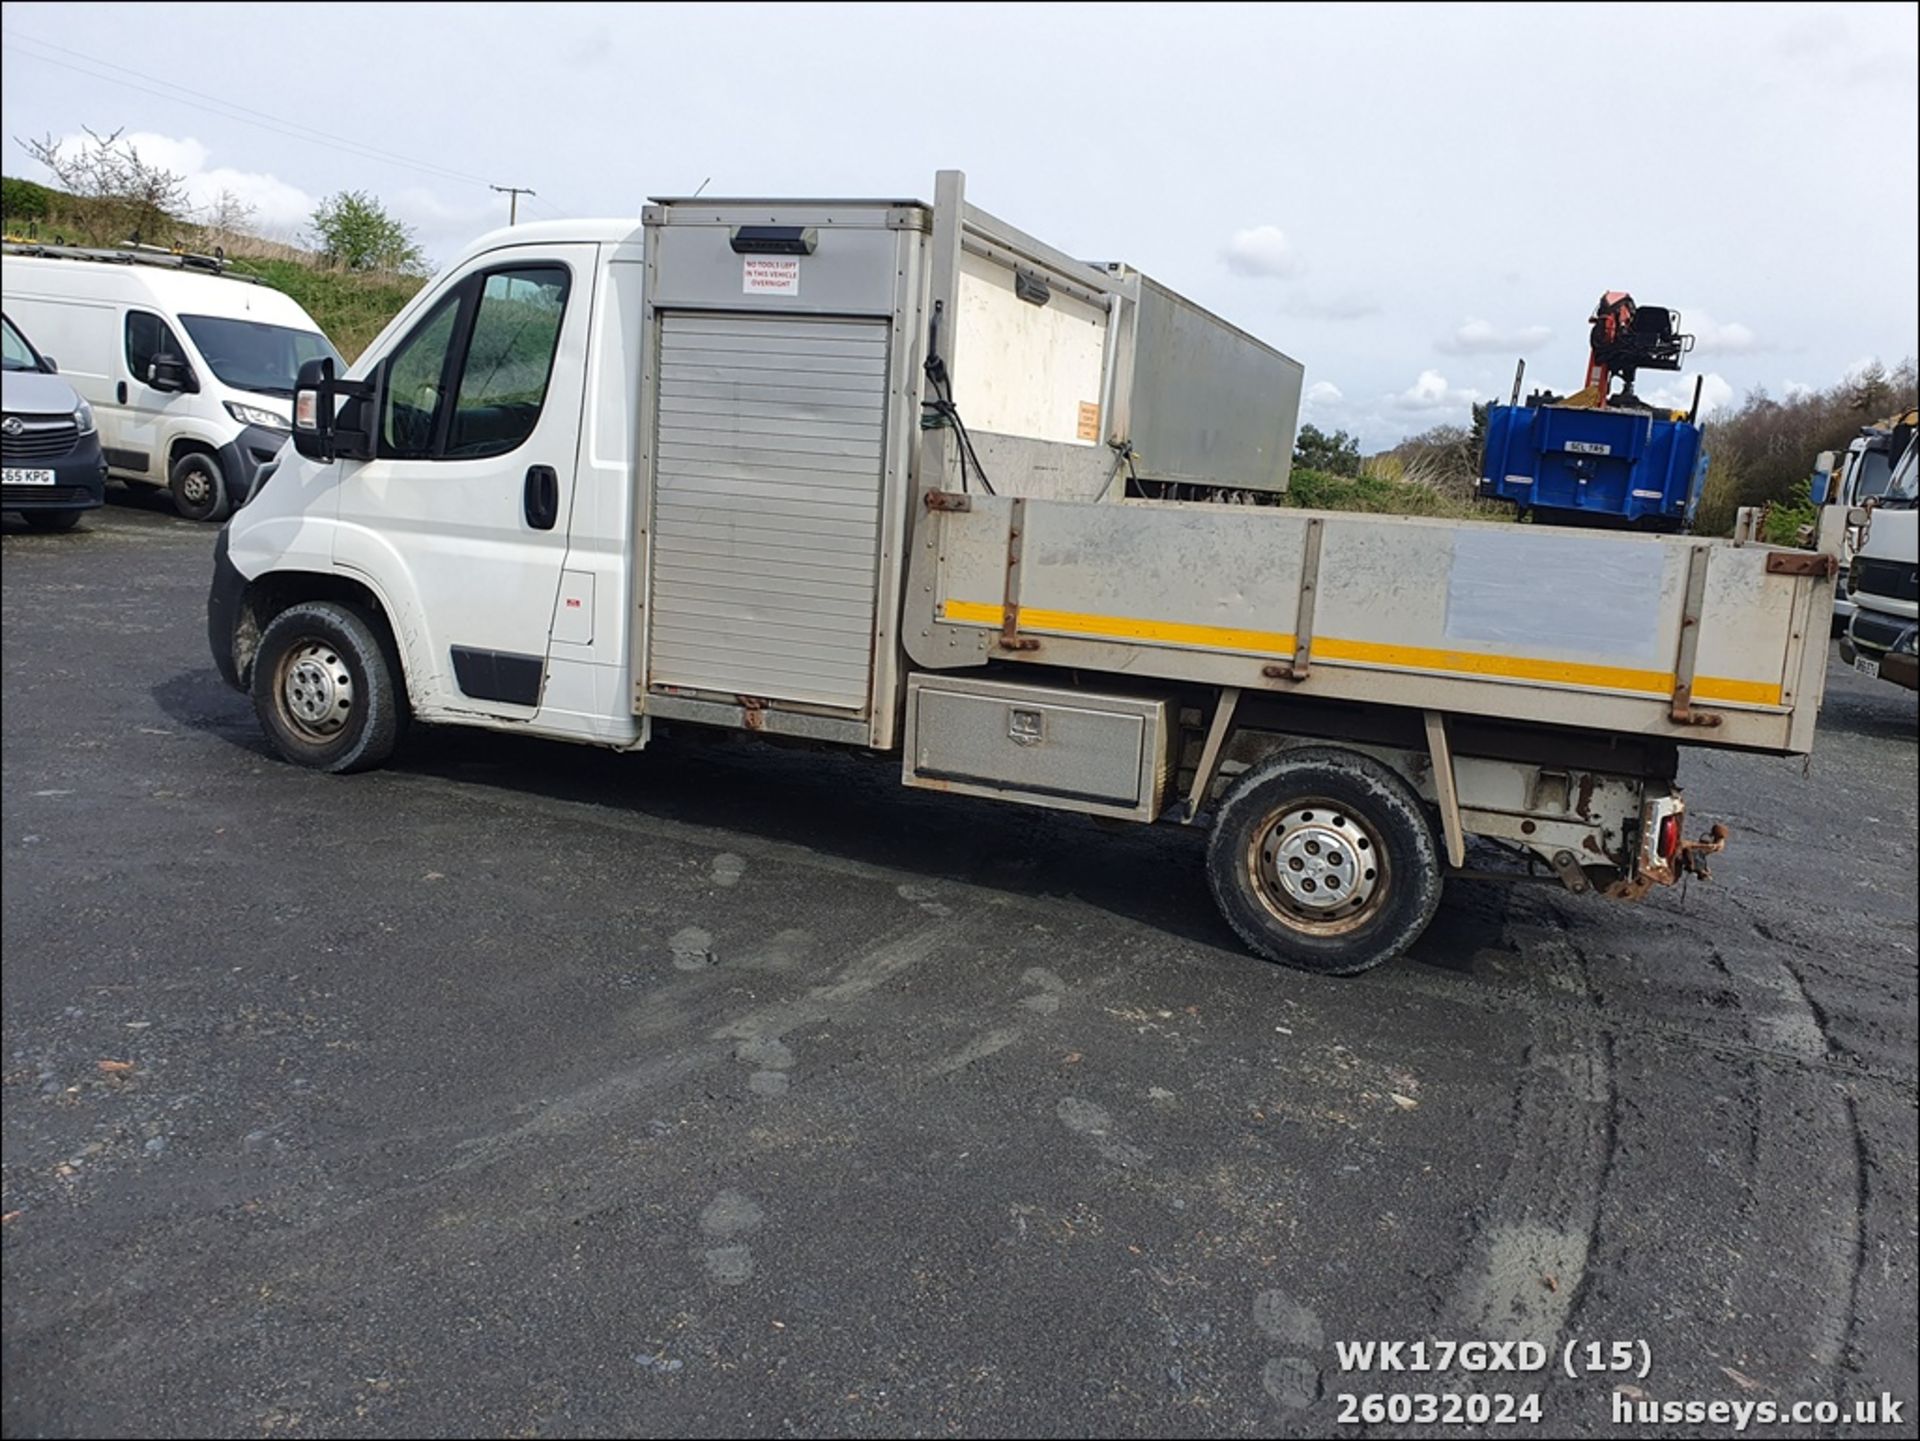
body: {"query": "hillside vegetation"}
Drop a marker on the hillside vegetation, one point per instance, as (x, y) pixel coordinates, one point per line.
(350, 305)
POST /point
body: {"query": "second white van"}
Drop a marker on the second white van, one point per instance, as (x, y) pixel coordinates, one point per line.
(189, 369)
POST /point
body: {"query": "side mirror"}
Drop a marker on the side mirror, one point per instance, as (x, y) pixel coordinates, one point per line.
(326, 430)
(1823, 462)
(48, 366)
(170, 373)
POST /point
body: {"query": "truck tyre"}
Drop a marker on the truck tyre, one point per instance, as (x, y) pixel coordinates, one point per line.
(1324, 860)
(52, 520)
(199, 486)
(326, 689)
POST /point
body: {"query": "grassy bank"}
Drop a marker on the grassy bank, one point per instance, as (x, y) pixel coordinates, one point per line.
(1378, 495)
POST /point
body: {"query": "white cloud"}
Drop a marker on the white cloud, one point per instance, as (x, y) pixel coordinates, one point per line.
(1716, 393)
(1262, 251)
(1796, 389)
(1433, 392)
(1711, 336)
(1321, 397)
(1479, 337)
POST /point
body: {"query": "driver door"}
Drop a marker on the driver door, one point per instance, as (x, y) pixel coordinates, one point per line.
(460, 519)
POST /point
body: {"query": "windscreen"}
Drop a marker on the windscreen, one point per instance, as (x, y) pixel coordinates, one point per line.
(249, 355)
(1874, 474)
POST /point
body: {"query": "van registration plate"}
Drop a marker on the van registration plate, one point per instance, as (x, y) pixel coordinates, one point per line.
(10, 476)
(1866, 666)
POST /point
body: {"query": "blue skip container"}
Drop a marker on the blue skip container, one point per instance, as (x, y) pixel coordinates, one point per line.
(1573, 466)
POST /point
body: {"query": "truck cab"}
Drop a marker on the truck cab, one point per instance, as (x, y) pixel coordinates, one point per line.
(1883, 576)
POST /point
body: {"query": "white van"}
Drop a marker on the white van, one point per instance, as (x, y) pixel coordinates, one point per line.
(189, 370)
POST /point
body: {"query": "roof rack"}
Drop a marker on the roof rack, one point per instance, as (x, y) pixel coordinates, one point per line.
(133, 252)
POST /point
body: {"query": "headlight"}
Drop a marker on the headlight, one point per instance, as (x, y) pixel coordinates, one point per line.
(83, 417)
(254, 415)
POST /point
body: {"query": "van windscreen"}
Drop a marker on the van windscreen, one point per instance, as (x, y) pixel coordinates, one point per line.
(249, 355)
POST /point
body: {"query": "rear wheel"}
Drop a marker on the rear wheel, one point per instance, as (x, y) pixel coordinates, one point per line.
(199, 486)
(1324, 859)
(325, 689)
(52, 520)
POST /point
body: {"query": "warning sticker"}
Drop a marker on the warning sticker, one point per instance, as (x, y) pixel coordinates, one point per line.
(770, 275)
(1089, 421)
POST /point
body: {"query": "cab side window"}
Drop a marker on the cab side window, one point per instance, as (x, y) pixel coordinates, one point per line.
(471, 379)
(416, 389)
(148, 336)
(509, 359)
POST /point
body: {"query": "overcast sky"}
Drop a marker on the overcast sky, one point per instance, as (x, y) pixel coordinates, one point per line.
(1403, 199)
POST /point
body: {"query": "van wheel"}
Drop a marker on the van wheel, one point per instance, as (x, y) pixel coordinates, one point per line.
(1324, 859)
(199, 486)
(326, 690)
(54, 521)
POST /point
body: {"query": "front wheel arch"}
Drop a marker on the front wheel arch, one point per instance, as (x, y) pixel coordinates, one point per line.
(264, 599)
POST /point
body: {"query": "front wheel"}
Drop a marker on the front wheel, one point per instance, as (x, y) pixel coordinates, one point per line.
(325, 690)
(199, 486)
(1324, 859)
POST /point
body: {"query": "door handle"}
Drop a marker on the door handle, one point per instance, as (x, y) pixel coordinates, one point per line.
(541, 498)
(120, 392)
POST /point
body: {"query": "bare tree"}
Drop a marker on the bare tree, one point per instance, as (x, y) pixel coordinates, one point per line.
(228, 218)
(130, 195)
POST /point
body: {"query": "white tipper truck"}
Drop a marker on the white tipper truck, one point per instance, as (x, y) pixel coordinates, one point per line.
(893, 476)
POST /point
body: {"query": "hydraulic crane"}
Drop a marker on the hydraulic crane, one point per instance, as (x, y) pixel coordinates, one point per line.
(1600, 457)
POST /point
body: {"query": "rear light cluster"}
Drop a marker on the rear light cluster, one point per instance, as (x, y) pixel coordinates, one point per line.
(1667, 844)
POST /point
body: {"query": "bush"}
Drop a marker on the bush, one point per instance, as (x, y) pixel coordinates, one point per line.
(24, 201)
(1378, 494)
(355, 233)
(1336, 454)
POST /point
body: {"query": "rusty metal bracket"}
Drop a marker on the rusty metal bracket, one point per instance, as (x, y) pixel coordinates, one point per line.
(1441, 751)
(1682, 710)
(1567, 867)
(1010, 637)
(948, 500)
(1803, 562)
(1301, 664)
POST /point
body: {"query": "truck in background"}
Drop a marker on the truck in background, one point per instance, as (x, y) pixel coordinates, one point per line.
(189, 369)
(1860, 476)
(1883, 577)
(849, 473)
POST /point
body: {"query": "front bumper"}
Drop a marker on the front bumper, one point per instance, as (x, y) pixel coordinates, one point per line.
(244, 458)
(79, 480)
(1891, 641)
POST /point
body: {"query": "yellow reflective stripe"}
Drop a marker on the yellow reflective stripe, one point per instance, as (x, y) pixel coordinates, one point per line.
(1720, 687)
(1367, 652)
(1511, 667)
(1108, 627)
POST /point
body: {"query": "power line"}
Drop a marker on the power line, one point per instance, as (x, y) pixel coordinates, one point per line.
(227, 110)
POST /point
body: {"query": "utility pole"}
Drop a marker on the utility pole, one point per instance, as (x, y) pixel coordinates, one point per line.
(513, 205)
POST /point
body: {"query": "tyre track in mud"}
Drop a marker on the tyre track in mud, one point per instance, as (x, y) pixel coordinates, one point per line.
(1611, 1098)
